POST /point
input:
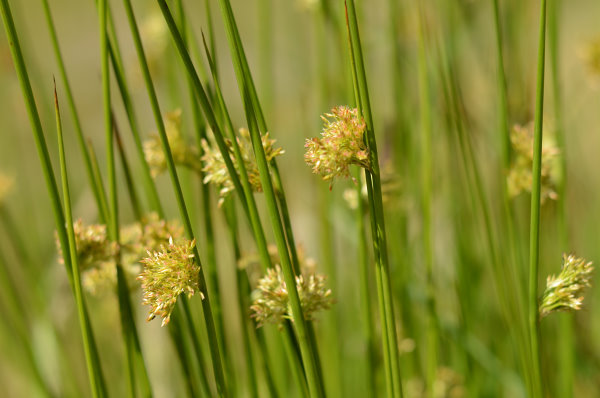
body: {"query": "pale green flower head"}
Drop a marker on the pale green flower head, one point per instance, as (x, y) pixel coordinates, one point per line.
(215, 170)
(565, 291)
(183, 153)
(168, 273)
(520, 178)
(341, 145)
(271, 301)
(97, 254)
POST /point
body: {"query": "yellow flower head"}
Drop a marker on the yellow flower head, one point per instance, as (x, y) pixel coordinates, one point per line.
(167, 273)
(215, 169)
(340, 146)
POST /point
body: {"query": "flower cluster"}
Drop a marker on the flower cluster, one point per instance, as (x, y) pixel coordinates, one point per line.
(97, 254)
(167, 273)
(341, 145)
(216, 171)
(6, 184)
(565, 291)
(520, 178)
(270, 300)
(183, 153)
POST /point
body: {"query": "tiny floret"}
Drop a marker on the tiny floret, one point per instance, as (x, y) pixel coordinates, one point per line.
(520, 178)
(565, 291)
(215, 169)
(167, 273)
(341, 145)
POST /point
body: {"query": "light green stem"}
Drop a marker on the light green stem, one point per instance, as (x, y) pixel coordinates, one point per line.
(534, 237)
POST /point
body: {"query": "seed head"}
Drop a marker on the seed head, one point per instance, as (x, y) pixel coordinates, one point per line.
(565, 291)
(216, 171)
(97, 254)
(520, 177)
(271, 300)
(183, 153)
(167, 273)
(341, 145)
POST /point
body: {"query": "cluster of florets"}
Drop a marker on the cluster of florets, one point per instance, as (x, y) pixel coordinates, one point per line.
(565, 291)
(97, 254)
(168, 272)
(341, 145)
(520, 178)
(215, 169)
(6, 184)
(183, 153)
(270, 304)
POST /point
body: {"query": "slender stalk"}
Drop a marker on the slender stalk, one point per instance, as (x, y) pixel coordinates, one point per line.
(134, 199)
(376, 205)
(219, 374)
(243, 287)
(566, 357)
(426, 193)
(365, 296)
(97, 187)
(72, 249)
(134, 358)
(534, 237)
(59, 217)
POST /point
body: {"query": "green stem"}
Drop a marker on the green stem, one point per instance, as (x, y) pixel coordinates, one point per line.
(42, 149)
(208, 313)
(566, 357)
(132, 347)
(534, 237)
(97, 187)
(426, 178)
(133, 197)
(74, 261)
(382, 268)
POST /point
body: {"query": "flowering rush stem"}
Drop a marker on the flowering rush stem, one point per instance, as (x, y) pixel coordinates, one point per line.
(98, 386)
(206, 306)
(93, 372)
(534, 237)
(382, 270)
